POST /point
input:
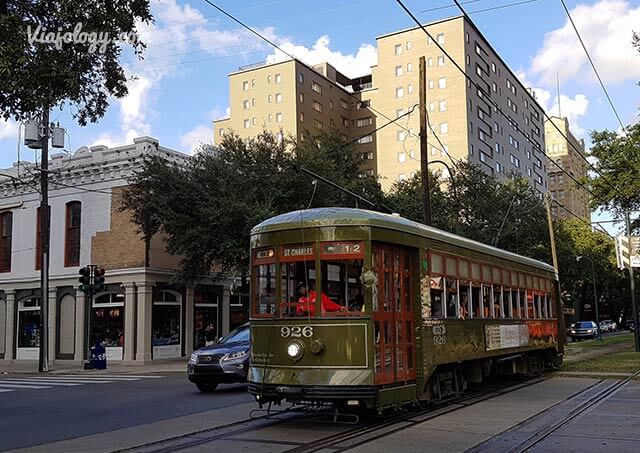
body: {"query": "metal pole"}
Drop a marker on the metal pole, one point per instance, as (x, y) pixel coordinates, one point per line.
(424, 158)
(43, 362)
(595, 298)
(632, 285)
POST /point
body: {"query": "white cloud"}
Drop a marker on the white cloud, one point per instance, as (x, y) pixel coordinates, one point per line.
(606, 29)
(572, 108)
(349, 64)
(197, 137)
(8, 129)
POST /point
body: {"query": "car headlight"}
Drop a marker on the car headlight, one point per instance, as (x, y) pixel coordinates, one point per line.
(573, 331)
(234, 355)
(590, 331)
(193, 360)
(295, 350)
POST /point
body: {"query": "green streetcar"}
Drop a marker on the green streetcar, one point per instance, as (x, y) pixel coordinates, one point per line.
(360, 308)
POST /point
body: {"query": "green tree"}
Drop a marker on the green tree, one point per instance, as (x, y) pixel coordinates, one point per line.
(405, 198)
(615, 185)
(36, 76)
(205, 209)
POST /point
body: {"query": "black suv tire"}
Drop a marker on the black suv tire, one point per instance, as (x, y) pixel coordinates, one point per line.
(206, 387)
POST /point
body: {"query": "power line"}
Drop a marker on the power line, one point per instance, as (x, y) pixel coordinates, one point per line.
(271, 43)
(508, 5)
(543, 113)
(577, 216)
(487, 98)
(584, 47)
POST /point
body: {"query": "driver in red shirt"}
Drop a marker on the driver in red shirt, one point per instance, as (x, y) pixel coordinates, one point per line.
(307, 303)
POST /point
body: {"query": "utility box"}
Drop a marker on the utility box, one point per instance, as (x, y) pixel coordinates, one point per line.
(32, 137)
(57, 137)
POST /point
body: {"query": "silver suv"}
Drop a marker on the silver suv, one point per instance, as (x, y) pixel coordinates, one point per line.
(584, 329)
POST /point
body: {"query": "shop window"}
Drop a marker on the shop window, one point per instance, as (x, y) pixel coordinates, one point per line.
(28, 326)
(167, 324)
(72, 234)
(6, 232)
(107, 323)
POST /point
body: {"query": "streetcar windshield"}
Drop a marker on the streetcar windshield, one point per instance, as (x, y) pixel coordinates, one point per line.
(295, 274)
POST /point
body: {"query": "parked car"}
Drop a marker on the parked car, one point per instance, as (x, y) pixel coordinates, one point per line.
(584, 329)
(630, 325)
(604, 327)
(609, 325)
(226, 361)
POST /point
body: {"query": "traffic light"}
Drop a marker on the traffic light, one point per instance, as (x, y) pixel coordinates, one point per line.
(85, 279)
(98, 280)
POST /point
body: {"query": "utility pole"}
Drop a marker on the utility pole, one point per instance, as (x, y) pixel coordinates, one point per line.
(554, 258)
(424, 158)
(43, 363)
(632, 284)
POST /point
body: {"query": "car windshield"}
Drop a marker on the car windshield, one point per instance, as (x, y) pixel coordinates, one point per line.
(583, 325)
(236, 336)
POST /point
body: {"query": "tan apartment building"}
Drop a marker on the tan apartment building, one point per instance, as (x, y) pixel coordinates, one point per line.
(561, 146)
(464, 117)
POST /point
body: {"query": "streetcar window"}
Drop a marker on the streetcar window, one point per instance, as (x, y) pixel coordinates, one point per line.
(475, 272)
(514, 279)
(465, 299)
(487, 301)
(437, 294)
(530, 307)
(513, 297)
(294, 277)
(538, 306)
(522, 298)
(476, 303)
(451, 267)
(264, 301)
(497, 302)
(452, 297)
(341, 283)
(436, 263)
(506, 303)
(464, 269)
(549, 305)
(486, 274)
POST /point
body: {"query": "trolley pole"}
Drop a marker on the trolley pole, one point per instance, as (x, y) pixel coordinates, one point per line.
(43, 362)
(424, 157)
(632, 285)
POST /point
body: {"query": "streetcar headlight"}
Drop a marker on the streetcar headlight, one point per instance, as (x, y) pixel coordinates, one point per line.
(295, 350)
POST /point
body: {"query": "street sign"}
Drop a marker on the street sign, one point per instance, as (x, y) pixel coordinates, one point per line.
(568, 311)
(628, 252)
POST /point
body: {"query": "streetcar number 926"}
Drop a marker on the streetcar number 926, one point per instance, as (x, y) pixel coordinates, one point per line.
(296, 331)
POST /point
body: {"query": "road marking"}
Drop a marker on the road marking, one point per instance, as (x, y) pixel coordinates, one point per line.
(24, 386)
(80, 381)
(33, 381)
(5, 390)
(122, 376)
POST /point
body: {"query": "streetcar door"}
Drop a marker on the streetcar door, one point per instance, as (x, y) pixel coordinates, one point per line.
(393, 315)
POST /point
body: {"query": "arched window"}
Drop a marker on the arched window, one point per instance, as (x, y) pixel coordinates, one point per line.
(72, 234)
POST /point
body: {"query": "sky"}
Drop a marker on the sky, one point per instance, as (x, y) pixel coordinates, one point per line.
(182, 84)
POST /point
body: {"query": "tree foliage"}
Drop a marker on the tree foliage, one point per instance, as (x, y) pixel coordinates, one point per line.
(616, 185)
(206, 208)
(36, 75)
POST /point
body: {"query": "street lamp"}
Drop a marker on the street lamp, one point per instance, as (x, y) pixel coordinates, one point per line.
(595, 295)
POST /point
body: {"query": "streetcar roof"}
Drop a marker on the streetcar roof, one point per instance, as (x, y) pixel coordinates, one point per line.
(334, 216)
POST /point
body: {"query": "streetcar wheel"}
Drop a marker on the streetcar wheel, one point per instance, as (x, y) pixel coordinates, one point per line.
(206, 387)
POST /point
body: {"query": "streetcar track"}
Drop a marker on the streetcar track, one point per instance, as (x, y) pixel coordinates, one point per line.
(354, 436)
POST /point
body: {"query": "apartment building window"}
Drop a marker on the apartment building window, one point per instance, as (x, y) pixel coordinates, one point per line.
(301, 98)
(269, 98)
(345, 122)
(429, 62)
(434, 150)
(401, 136)
(300, 77)
(442, 106)
(402, 157)
(317, 124)
(302, 117)
(482, 114)
(315, 86)
(269, 78)
(253, 102)
(317, 106)
(432, 106)
(253, 83)
(497, 148)
(431, 84)
(479, 70)
(466, 36)
(498, 167)
(409, 67)
(441, 60)
(496, 128)
(253, 120)
(245, 104)
(444, 128)
(514, 142)
(538, 163)
(364, 121)
(331, 105)
(483, 157)
(399, 92)
(365, 139)
(515, 161)
(245, 85)
(409, 88)
(528, 154)
(278, 97)
(399, 113)
(344, 104)
(72, 234)
(278, 117)
(402, 177)
(494, 87)
(493, 67)
(468, 60)
(536, 130)
(399, 71)
(482, 135)
(526, 120)
(408, 45)
(398, 49)
(529, 172)
(6, 233)
(270, 117)
(442, 82)
(246, 123)
(480, 51)
(440, 38)
(278, 78)
(221, 132)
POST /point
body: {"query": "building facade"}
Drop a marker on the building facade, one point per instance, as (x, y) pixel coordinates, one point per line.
(141, 315)
(562, 146)
(492, 120)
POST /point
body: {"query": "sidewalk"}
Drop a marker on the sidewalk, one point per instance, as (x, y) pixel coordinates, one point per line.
(159, 366)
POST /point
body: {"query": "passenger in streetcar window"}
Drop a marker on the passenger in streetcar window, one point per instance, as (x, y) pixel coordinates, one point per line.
(464, 305)
(307, 303)
(357, 303)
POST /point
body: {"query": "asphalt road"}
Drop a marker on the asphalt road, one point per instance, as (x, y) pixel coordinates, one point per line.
(32, 416)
